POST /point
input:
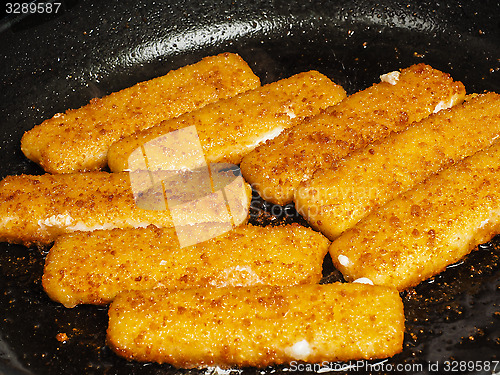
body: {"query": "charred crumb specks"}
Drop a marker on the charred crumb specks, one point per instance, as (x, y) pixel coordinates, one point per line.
(463, 291)
(264, 213)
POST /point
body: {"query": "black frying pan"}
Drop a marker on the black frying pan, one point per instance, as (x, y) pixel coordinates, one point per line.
(53, 62)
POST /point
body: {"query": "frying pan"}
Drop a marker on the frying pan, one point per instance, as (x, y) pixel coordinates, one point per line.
(52, 62)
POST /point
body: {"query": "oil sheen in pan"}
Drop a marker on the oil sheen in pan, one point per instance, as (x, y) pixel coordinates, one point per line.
(449, 316)
(453, 316)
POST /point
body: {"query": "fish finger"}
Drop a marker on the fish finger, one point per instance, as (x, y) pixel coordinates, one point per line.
(228, 129)
(78, 140)
(37, 209)
(257, 326)
(335, 199)
(93, 267)
(421, 232)
(276, 168)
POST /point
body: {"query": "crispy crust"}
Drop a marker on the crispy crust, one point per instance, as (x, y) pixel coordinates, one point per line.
(78, 140)
(277, 167)
(37, 209)
(257, 326)
(336, 199)
(418, 234)
(231, 128)
(94, 267)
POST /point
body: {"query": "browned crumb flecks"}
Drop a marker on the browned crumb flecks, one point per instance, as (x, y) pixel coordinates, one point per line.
(336, 199)
(419, 233)
(93, 267)
(257, 326)
(37, 209)
(277, 167)
(229, 129)
(78, 140)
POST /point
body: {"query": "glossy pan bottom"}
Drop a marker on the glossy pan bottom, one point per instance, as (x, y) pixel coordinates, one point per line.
(60, 61)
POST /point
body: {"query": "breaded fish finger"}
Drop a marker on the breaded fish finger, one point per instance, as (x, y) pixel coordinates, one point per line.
(78, 140)
(335, 199)
(257, 326)
(277, 167)
(228, 129)
(93, 267)
(418, 234)
(37, 209)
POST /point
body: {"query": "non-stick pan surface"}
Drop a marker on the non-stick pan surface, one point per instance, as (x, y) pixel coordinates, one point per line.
(53, 62)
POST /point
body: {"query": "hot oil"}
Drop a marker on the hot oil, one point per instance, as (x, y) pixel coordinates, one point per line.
(456, 314)
(453, 316)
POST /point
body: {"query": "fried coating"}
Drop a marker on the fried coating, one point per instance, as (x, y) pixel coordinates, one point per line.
(335, 199)
(78, 140)
(93, 267)
(257, 326)
(228, 129)
(276, 168)
(37, 209)
(421, 232)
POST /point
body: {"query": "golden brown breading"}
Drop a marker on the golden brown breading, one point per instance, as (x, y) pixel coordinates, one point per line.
(93, 267)
(277, 167)
(228, 129)
(78, 140)
(257, 326)
(37, 209)
(418, 234)
(335, 199)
